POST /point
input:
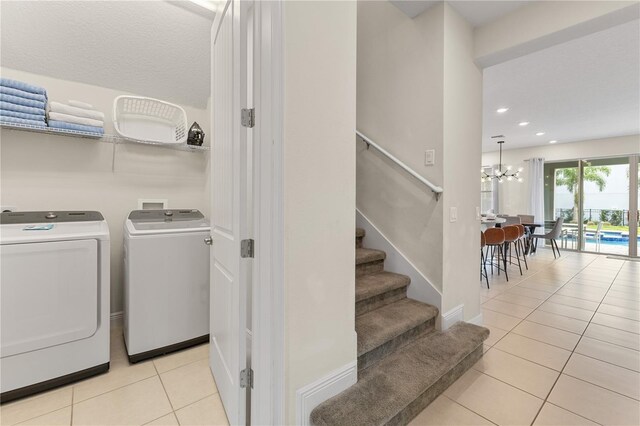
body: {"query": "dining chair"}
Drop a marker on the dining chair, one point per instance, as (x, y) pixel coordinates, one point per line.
(552, 236)
(526, 218)
(522, 241)
(509, 220)
(511, 239)
(494, 238)
(483, 265)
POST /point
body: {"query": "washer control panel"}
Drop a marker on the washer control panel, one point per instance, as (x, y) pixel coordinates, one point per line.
(50, 216)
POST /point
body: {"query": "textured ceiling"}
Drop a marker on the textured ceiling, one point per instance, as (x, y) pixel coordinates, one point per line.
(478, 12)
(150, 48)
(587, 88)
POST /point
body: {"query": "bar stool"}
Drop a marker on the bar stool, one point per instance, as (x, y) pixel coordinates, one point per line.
(483, 265)
(511, 237)
(494, 238)
(521, 242)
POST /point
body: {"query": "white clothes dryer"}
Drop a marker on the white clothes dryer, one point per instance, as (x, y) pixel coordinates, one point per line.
(54, 296)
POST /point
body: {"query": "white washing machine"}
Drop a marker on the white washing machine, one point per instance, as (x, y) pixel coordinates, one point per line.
(166, 287)
(54, 297)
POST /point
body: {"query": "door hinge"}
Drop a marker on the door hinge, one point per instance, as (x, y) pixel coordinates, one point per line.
(246, 378)
(247, 248)
(248, 117)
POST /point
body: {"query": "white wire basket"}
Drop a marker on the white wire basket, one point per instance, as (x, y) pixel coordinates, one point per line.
(149, 120)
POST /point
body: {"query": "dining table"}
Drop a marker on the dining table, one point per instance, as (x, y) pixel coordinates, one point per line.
(490, 223)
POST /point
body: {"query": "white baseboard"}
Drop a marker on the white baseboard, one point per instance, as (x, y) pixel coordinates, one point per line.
(477, 320)
(313, 394)
(451, 317)
(421, 288)
(116, 319)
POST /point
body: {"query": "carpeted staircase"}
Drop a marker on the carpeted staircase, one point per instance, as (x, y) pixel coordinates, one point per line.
(403, 362)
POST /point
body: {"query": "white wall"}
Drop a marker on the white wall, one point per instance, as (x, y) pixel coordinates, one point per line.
(400, 97)
(319, 191)
(462, 150)
(514, 197)
(419, 89)
(46, 172)
(541, 24)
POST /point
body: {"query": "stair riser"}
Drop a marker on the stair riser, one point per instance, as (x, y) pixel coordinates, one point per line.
(369, 268)
(373, 356)
(375, 302)
(435, 390)
(359, 242)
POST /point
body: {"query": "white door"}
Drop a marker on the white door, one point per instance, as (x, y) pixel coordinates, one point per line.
(229, 208)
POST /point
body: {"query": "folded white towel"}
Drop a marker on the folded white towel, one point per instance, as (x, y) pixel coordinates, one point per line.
(71, 110)
(79, 104)
(75, 119)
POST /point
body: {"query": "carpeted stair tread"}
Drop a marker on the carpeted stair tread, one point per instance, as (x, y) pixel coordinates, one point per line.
(378, 327)
(364, 255)
(378, 283)
(397, 388)
(360, 233)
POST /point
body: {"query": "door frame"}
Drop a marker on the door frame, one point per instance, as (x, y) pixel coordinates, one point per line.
(268, 292)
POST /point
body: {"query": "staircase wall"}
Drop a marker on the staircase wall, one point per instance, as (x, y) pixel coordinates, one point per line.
(399, 105)
(418, 89)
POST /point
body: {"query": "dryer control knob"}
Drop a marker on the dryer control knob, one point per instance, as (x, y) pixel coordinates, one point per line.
(51, 215)
(168, 213)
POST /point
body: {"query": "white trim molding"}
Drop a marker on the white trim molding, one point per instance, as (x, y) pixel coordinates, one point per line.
(313, 394)
(477, 320)
(451, 317)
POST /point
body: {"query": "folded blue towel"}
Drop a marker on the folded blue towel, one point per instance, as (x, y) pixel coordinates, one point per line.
(22, 86)
(14, 114)
(22, 94)
(21, 101)
(9, 106)
(14, 120)
(77, 127)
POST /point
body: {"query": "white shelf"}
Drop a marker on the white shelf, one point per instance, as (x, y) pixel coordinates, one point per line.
(113, 139)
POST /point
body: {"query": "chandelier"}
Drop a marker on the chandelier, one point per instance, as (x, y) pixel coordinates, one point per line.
(499, 174)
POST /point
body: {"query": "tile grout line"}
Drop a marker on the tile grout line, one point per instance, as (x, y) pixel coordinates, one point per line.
(573, 351)
(136, 381)
(72, 403)
(173, 410)
(467, 408)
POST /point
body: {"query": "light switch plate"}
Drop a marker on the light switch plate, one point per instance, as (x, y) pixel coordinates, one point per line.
(478, 216)
(453, 214)
(430, 157)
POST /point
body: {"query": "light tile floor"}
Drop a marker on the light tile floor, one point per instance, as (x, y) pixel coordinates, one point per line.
(176, 389)
(563, 348)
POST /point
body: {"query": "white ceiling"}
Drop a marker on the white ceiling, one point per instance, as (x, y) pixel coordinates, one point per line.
(587, 88)
(478, 12)
(150, 48)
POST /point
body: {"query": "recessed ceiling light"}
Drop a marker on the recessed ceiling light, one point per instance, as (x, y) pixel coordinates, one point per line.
(502, 110)
(539, 133)
(523, 123)
(553, 141)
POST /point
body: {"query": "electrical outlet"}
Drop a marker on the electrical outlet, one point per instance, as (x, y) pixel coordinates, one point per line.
(430, 157)
(453, 214)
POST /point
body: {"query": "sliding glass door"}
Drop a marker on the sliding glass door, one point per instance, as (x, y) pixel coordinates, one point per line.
(598, 200)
